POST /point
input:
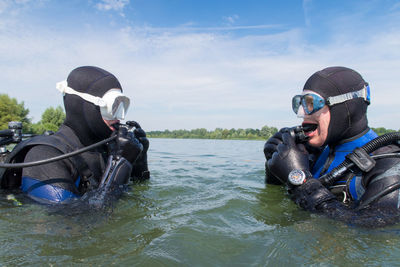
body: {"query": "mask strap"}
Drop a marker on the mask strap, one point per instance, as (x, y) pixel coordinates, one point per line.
(363, 93)
(64, 89)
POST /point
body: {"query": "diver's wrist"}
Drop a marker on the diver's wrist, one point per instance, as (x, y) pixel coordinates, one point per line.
(299, 177)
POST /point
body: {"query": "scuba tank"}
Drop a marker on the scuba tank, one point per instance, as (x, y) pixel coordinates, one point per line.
(12, 135)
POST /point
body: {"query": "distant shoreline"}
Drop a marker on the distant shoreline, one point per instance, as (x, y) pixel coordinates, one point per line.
(262, 134)
(244, 139)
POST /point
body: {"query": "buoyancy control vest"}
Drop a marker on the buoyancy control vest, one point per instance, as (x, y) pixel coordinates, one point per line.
(331, 157)
(89, 165)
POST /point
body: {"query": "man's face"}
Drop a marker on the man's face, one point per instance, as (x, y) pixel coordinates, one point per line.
(322, 119)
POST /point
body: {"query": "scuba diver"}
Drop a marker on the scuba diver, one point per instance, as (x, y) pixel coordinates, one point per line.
(111, 152)
(334, 163)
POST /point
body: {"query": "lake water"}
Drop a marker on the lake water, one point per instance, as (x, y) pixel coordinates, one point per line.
(206, 204)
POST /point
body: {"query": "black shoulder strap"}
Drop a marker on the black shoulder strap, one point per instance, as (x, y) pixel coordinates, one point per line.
(78, 161)
(18, 154)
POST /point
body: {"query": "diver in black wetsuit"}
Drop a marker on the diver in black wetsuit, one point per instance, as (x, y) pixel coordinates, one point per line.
(333, 106)
(94, 104)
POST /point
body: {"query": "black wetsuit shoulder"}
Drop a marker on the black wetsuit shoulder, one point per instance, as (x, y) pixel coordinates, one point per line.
(64, 173)
(59, 173)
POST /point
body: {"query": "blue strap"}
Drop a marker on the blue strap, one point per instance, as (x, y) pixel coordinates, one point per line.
(355, 187)
(45, 191)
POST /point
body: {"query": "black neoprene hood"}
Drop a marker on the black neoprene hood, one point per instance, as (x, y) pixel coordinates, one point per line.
(82, 116)
(348, 119)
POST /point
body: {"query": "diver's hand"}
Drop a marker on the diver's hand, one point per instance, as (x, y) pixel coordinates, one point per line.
(311, 195)
(272, 144)
(140, 134)
(129, 147)
(270, 178)
(288, 156)
(140, 168)
(269, 148)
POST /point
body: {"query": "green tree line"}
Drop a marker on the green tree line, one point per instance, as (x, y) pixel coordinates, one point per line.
(52, 118)
(11, 110)
(246, 134)
(219, 133)
(381, 130)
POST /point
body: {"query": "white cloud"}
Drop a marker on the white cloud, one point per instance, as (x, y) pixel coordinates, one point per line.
(306, 9)
(192, 79)
(3, 6)
(229, 20)
(116, 5)
(22, 1)
(11, 7)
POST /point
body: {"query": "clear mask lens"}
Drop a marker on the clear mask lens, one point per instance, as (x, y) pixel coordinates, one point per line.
(309, 102)
(296, 102)
(116, 105)
(312, 103)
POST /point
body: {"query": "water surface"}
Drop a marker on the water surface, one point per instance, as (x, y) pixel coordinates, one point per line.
(206, 204)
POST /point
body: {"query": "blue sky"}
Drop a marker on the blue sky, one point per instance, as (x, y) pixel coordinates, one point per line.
(201, 64)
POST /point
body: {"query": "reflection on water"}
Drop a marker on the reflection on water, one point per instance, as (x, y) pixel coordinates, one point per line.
(205, 204)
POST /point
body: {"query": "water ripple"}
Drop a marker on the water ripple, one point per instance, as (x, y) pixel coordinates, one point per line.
(206, 204)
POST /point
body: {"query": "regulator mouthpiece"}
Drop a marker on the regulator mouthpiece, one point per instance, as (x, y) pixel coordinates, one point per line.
(298, 133)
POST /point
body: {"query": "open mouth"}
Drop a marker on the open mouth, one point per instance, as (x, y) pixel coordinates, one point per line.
(309, 127)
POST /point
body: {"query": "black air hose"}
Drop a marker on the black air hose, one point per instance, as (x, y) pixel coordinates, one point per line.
(334, 175)
(64, 156)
